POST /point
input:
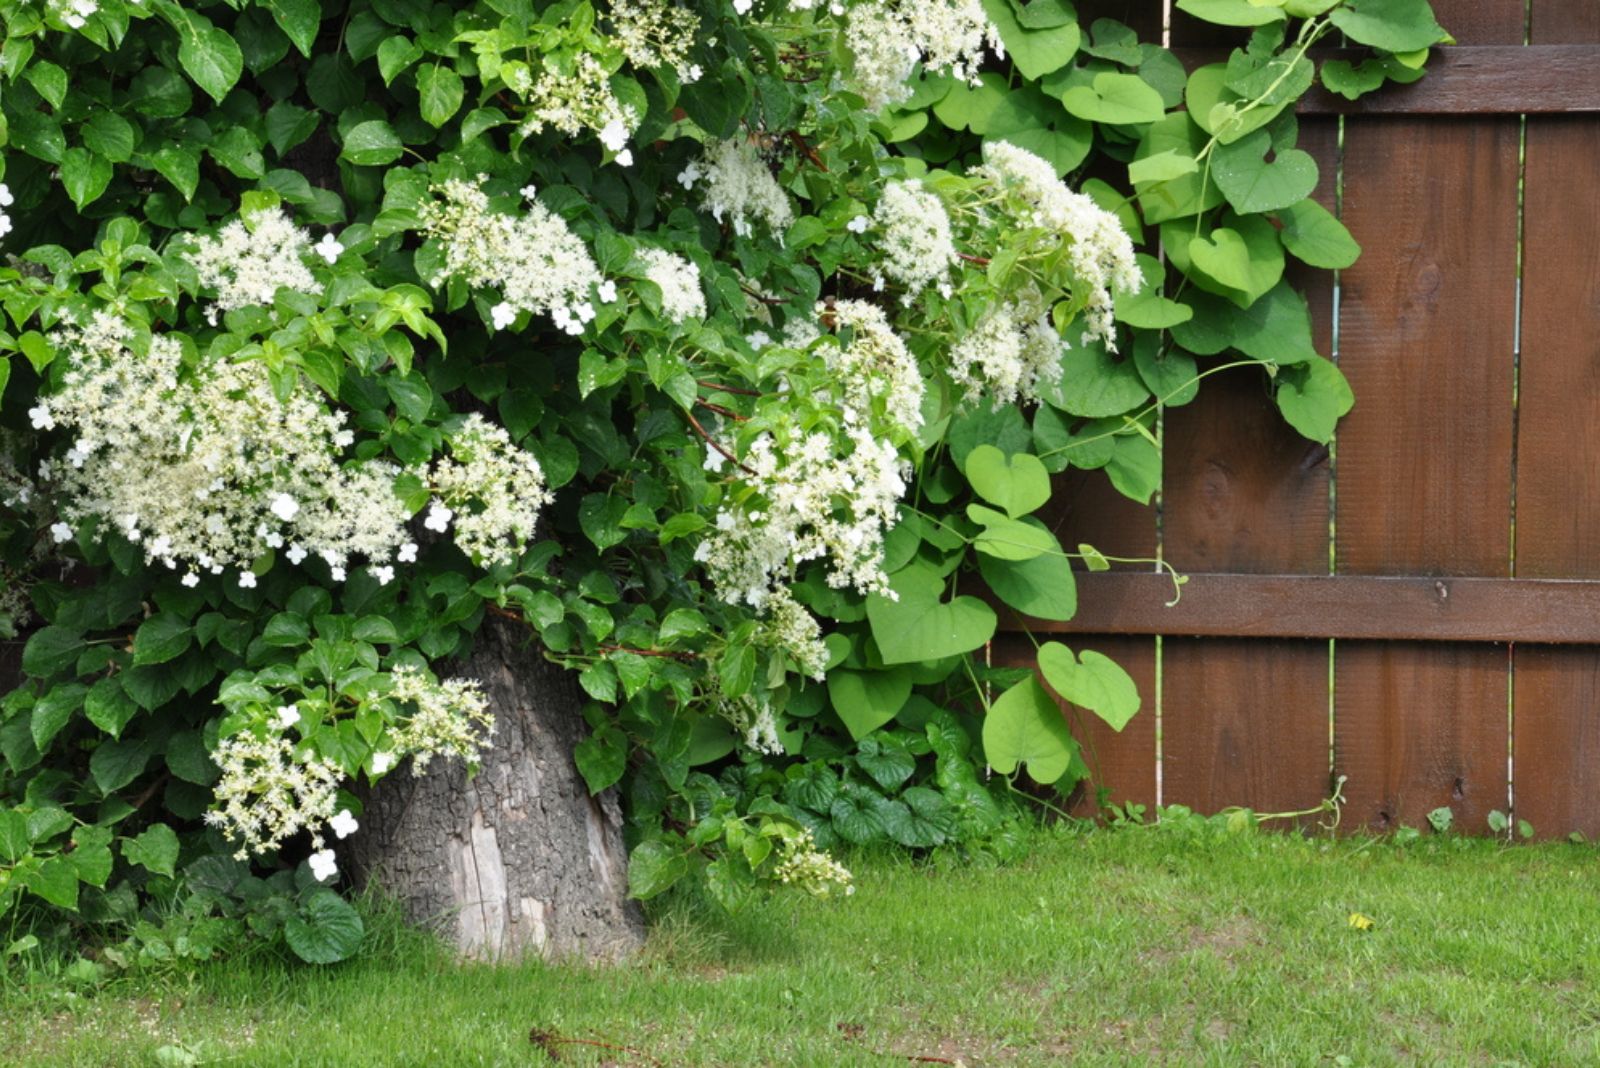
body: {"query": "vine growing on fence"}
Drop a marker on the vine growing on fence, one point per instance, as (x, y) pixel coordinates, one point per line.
(729, 347)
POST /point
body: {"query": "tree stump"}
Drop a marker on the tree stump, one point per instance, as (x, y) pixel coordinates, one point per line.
(520, 859)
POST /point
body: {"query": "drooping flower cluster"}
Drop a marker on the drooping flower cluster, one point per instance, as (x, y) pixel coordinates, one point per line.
(801, 864)
(208, 469)
(809, 502)
(914, 237)
(752, 716)
(888, 38)
(251, 258)
(789, 628)
(1100, 252)
(877, 375)
(679, 282)
(268, 792)
(539, 265)
(451, 720)
(739, 186)
(573, 100)
(489, 490)
(655, 33)
(1011, 354)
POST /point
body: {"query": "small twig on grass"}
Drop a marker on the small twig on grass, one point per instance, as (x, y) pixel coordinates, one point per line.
(549, 1040)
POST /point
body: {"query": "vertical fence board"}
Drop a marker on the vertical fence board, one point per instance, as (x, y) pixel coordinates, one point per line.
(1246, 722)
(1556, 691)
(1424, 481)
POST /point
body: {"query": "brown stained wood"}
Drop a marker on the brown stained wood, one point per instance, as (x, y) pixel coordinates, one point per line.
(1481, 22)
(1556, 741)
(1564, 22)
(1246, 725)
(1371, 607)
(1419, 728)
(1481, 80)
(1122, 762)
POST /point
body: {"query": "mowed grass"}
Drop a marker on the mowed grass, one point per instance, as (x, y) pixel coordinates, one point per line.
(1132, 947)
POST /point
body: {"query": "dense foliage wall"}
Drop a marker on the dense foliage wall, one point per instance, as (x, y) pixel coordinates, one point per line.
(718, 343)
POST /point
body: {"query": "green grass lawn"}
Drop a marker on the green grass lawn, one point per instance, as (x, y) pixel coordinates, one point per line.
(1143, 946)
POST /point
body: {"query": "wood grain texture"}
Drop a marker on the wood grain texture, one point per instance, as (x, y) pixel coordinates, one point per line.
(1482, 80)
(1246, 723)
(1418, 728)
(1364, 607)
(1556, 692)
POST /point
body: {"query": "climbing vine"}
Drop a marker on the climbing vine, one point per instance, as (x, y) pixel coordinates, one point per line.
(727, 349)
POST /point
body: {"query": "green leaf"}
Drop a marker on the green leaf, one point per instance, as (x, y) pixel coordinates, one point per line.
(602, 758)
(866, 700)
(1232, 12)
(1009, 539)
(1314, 236)
(50, 81)
(299, 20)
(1147, 309)
(161, 638)
(653, 866)
(155, 849)
(1182, 194)
(53, 710)
(1091, 680)
(117, 763)
(1252, 184)
(327, 930)
(14, 840)
(50, 649)
(395, 54)
(190, 760)
(1042, 587)
(919, 626)
(208, 56)
(1093, 384)
(1163, 166)
(1392, 25)
(1135, 467)
(372, 144)
(1243, 263)
(109, 135)
(441, 92)
(1276, 328)
(1115, 98)
(1350, 80)
(1025, 727)
(91, 854)
(56, 882)
(1169, 372)
(600, 516)
(921, 819)
(1034, 52)
(1017, 483)
(968, 107)
(1313, 396)
(84, 176)
(180, 165)
(889, 766)
(108, 705)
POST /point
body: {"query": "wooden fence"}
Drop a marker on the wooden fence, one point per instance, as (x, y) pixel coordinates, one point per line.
(1417, 608)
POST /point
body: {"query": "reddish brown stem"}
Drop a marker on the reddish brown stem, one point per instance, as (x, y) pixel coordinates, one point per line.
(670, 653)
(805, 148)
(726, 413)
(979, 260)
(737, 391)
(709, 440)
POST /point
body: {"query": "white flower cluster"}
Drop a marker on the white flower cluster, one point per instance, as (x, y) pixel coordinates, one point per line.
(539, 265)
(576, 100)
(752, 716)
(655, 33)
(888, 38)
(915, 240)
(1011, 354)
(808, 503)
(490, 489)
(801, 864)
(73, 13)
(208, 470)
(251, 258)
(6, 200)
(679, 281)
(788, 627)
(874, 369)
(452, 720)
(268, 792)
(739, 185)
(1100, 251)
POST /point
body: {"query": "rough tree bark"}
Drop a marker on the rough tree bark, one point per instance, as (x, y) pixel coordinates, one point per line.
(520, 859)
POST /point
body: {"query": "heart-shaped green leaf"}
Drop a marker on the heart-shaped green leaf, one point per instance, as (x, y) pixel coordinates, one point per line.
(1043, 587)
(1095, 384)
(1392, 25)
(1009, 539)
(1233, 12)
(1017, 483)
(1314, 236)
(1037, 51)
(1146, 308)
(918, 626)
(1024, 726)
(866, 700)
(1252, 184)
(1313, 396)
(1116, 99)
(1242, 265)
(1091, 680)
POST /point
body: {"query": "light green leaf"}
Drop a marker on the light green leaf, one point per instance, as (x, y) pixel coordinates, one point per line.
(1091, 680)
(109, 135)
(919, 626)
(1115, 98)
(1314, 236)
(1275, 329)
(1313, 396)
(441, 92)
(968, 107)
(1392, 25)
(1184, 194)
(56, 881)
(1163, 166)
(84, 176)
(1242, 265)
(155, 849)
(1042, 587)
(1093, 383)
(1252, 184)
(1135, 467)
(1008, 539)
(1146, 308)
(208, 56)
(1018, 483)
(1233, 12)
(372, 144)
(866, 700)
(1025, 727)
(1035, 52)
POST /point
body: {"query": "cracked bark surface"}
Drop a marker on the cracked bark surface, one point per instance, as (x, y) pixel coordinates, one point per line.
(521, 859)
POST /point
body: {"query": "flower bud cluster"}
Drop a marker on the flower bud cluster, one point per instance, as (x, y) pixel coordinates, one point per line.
(737, 185)
(1011, 354)
(802, 865)
(655, 33)
(251, 258)
(887, 39)
(489, 490)
(268, 792)
(451, 719)
(914, 237)
(879, 380)
(575, 99)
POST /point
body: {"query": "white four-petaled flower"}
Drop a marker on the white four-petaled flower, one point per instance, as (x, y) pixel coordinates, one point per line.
(328, 248)
(344, 824)
(323, 866)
